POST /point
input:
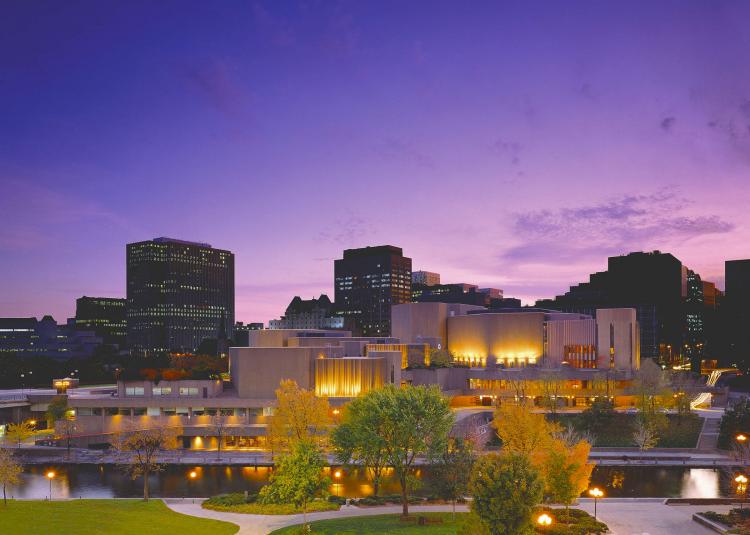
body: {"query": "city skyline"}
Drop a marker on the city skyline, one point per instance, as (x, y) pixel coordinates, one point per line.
(519, 154)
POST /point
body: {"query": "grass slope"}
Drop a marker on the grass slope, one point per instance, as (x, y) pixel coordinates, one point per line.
(367, 525)
(97, 517)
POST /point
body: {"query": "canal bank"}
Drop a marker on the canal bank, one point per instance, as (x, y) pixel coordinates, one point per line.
(106, 481)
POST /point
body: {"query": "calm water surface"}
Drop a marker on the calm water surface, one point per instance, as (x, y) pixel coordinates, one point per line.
(90, 481)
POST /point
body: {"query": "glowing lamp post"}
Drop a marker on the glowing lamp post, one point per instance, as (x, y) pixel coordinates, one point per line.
(544, 520)
(50, 475)
(741, 481)
(596, 493)
(741, 438)
(192, 476)
(337, 478)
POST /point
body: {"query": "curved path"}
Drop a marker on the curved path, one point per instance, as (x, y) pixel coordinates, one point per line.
(623, 516)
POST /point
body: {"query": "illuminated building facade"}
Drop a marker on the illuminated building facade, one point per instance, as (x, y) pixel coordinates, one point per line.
(368, 282)
(106, 316)
(179, 293)
(425, 278)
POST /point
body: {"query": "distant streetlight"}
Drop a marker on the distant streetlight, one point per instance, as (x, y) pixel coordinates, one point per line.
(596, 493)
(741, 438)
(50, 475)
(544, 520)
(741, 481)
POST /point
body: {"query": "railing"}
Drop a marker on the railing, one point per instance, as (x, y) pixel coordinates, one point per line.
(13, 397)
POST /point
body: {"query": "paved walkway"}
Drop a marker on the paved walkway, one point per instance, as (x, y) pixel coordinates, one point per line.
(623, 516)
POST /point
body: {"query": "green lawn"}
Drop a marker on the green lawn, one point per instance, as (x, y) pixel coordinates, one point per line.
(96, 517)
(617, 430)
(438, 524)
(368, 525)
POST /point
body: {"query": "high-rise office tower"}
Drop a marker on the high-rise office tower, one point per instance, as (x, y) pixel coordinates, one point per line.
(105, 316)
(179, 293)
(368, 282)
(735, 312)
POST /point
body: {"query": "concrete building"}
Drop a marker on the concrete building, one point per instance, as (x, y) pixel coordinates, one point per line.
(498, 357)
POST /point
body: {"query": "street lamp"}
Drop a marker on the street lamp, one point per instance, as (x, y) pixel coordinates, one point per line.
(337, 477)
(741, 481)
(544, 520)
(741, 438)
(596, 493)
(191, 477)
(50, 475)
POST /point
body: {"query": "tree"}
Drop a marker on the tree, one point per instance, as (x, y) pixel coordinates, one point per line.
(355, 442)
(597, 413)
(736, 420)
(18, 433)
(506, 489)
(66, 428)
(645, 436)
(219, 422)
(551, 390)
(299, 415)
(298, 477)
(522, 431)
(440, 358)
(9, 471)
(139, 451)
(452, 471)
(567, 471)
(56, 410)
(412, 421)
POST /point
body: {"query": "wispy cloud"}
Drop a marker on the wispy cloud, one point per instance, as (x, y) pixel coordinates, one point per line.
(33, 215)
(274, 30)
(402, 151)
(216, 80)
(667, 123)
(348, 230)
(618, 225)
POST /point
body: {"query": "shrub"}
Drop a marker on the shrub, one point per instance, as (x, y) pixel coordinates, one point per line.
(337, 499)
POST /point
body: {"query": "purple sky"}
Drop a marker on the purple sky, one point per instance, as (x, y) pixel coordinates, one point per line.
(511, 144)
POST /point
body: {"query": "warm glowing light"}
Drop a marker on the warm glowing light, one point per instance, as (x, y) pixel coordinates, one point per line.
(336, 411)
(337, 474)
(741, 479)
(741, 438)
(348, 377)
(50, 474)
(193, 474)
(596, 492)
(544, 520)
(32, 422)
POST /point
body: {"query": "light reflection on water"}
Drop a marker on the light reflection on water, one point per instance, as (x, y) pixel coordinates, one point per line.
(91, 481)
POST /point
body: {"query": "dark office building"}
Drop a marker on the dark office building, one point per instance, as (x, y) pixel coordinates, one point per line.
(105, 316)
(179, 293)
(467, 294)
(653, 283)
(736, 312)
(28, 337)
(695, 321)
(368, 282)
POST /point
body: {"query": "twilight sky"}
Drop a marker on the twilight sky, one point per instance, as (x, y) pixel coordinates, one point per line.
(511, 144)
